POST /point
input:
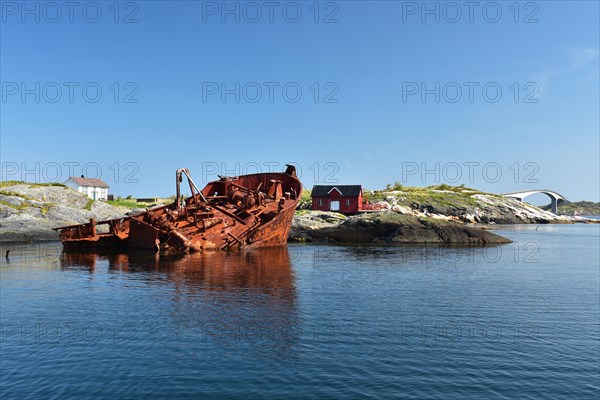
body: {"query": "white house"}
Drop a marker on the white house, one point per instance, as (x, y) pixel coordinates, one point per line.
(96, 189)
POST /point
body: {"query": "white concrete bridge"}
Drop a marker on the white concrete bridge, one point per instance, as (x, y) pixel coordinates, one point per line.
(555, 197)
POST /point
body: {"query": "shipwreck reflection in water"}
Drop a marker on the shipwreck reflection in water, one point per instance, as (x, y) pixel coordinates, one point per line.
(240, 300)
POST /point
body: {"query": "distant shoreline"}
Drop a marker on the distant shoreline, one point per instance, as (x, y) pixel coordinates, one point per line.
(29, 211)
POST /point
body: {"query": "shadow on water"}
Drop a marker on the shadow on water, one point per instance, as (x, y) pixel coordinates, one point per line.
(264, 269)
(244, 299)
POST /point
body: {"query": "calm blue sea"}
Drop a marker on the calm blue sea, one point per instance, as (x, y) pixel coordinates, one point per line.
(514, 321)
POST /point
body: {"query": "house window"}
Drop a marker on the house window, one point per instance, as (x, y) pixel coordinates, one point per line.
(320, 202)
(347, 202)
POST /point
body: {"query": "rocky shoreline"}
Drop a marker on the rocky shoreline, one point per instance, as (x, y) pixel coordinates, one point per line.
(385, 227)
(28, 212)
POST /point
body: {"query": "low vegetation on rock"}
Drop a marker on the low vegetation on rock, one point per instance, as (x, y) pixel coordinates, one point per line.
(579, 208)
(462, 204)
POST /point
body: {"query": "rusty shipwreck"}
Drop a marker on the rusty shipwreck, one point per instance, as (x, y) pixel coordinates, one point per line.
(233, 212)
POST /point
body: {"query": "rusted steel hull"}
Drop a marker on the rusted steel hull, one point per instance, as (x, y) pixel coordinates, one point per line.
(233, 212)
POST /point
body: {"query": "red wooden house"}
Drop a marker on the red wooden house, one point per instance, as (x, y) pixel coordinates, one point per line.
(346, 199)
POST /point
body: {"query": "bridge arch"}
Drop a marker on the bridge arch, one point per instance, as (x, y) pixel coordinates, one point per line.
(555, 197)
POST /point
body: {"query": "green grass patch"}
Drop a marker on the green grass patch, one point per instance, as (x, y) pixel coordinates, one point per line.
(31, 184)
(56, 184)
(127, 203)
(88, 205)
(20, 207)
(44, 208)
(437, 194)
(15, 194)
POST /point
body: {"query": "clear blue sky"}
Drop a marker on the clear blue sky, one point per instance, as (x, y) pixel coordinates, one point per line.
(370, 123)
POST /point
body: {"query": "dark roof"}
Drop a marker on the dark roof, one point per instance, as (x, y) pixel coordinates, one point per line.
(89, 182)
(346, 190)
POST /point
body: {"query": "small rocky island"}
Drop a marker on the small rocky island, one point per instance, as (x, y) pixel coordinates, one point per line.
(385, 227)
(29, 211)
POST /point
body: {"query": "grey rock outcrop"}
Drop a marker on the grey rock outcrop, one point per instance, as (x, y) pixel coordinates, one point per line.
(389, 227)
(306, 222)
(472, 208)
(29, 212)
